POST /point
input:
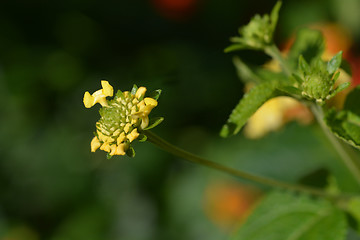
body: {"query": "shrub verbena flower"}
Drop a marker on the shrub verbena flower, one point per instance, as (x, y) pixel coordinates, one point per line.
(123, 118)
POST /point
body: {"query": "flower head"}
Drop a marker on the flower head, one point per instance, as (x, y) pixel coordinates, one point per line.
(122, 119)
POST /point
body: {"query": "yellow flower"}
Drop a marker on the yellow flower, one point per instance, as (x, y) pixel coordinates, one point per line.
(122, 118)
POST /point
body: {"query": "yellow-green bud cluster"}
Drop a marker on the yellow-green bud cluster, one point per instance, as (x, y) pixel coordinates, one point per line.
(121, 118)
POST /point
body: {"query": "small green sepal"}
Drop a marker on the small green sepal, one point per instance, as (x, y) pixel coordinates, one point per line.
(142, 138)
(334, 63)
(154, 122)
(130, 152)
(134, 89)
(155, 94)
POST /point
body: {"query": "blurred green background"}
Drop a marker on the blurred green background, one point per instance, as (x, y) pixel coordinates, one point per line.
(51, 52)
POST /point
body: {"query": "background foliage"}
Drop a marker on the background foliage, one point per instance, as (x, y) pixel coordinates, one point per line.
(52, 187)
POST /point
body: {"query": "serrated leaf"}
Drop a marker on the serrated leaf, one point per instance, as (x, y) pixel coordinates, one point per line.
(248, 105)
(308, 43)
(339, 124)
(334, 63)
(274, 15)
(154, 122)
(288, 217)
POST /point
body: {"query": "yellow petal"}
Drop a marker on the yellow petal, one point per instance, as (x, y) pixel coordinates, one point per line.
(107, 90)
(120, 149)
(140, 92)
(88, 100)
(127, 127)
(95, 144)
(121, 138)
(133, 135)
(150, 102)
(105, 147)
(144, 122)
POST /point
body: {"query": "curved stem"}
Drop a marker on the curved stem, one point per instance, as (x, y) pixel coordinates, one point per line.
(238, 173)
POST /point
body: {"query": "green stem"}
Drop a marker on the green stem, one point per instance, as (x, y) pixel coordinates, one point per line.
(238, 173)
(345, 155)
(275, 53)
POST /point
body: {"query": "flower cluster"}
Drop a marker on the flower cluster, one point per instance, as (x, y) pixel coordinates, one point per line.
(122, 118)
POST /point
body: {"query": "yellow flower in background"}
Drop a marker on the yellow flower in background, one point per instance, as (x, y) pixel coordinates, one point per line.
(122, 118)
(275, 113)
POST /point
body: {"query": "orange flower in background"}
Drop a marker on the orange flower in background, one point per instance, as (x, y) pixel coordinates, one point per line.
(228, 203)
(175, 9)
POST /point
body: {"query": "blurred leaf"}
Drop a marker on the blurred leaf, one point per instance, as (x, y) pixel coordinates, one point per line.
(274, 15)
(309, 43)
(334, 63)
(354, 209)
(317, 178)
(285, 216)
(352, 101)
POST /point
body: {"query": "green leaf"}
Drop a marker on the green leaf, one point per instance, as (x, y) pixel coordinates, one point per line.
(334, 63)
(341, 125)
(308, 43)
(154, 122)
(274, 15)
(283, 216)
(234, 47)
(341, 87)
(354, 209)
(248, 105)
(244, 72)
(304, 66)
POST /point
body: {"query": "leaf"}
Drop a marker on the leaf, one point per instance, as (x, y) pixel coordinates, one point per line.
(154, 122)
(288, 217)
(354, 209)
(308, 43)
(339, 124)
(248, 105)
(304, 66)
(244, 72)
(238, 46)
(334, 63)
(274, 15)
(341, 87)
(248, 73)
